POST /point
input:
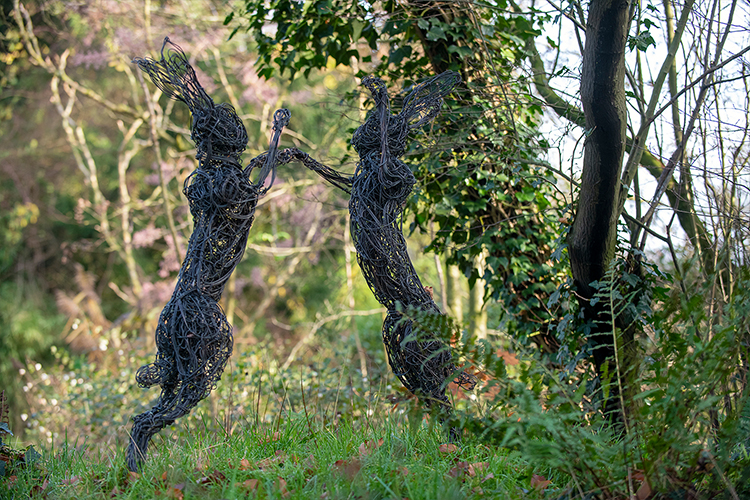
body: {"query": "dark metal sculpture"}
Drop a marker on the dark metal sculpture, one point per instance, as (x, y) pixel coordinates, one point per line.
(379, 188)
(193, 337)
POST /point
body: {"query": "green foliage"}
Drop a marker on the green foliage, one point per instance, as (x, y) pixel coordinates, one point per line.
(477, 179)
(687, 400)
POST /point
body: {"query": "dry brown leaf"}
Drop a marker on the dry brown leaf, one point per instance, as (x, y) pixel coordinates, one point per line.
(115, 492)
(214, 478)
(477, 468)
(644, 491)
(249, 485)
(39, 488)
(539, 482)
(448, 448)
(488, 477)
(245, 464)
(508, 357)
(176, 491)
(405, 471)
(132, 476)
(12, 481)
(478, 491)
(459, 469)
(282, 487)
(71, 480)
(349, 468)
(278, 458)
(369, 446)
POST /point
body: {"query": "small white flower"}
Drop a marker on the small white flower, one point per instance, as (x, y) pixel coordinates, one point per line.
(24, 417)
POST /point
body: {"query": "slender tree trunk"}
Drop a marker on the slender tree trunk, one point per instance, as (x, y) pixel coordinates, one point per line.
(453, 292)
(593, 237)
(477, 312)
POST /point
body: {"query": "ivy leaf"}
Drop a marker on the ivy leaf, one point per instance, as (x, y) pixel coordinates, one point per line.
(435, 34)
(641, 41)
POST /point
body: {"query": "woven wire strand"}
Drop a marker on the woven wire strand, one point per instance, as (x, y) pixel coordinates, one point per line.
(193, 337)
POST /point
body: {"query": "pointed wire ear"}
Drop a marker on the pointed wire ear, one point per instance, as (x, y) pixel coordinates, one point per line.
(174, 75)
(424, 100)
(280, 120)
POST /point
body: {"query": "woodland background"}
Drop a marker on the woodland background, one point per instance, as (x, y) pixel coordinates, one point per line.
(581, 212)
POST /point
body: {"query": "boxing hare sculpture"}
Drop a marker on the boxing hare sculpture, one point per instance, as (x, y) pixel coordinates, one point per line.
(193, 337)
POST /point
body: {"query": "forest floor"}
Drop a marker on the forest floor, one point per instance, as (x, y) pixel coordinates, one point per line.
(400, 455)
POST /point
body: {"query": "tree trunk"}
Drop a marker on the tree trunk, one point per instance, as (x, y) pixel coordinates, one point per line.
(453, 279)
(477, 312)
(593, 237)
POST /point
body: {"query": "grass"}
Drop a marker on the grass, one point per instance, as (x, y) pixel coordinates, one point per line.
(394, 455)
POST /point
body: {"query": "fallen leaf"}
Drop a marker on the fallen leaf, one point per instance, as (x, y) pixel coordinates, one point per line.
(132, 476)
(349, 468)
(214, 478)
(249, 484)
(12, 481)
(405, 471)
(477, 490)
(274, 437)
(39, 488)
(282, 487)
(459, 469)
(278, 458)
(71, 480)
(115, 492)
(644, 491)
(508, 357)
(539, 482)
(164, 476)
(488, 477)
(176, 491)
(477, 468)
(369, 446)
(448, 448)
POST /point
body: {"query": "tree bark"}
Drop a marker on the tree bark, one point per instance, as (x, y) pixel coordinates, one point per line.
(593, 236)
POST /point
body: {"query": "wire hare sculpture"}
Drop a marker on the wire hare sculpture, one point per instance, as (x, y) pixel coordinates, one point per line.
(193, 337)
(380, 187)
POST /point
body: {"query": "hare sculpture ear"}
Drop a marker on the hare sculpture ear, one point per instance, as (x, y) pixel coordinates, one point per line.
(280, 120)
(424, 100)
(174, 75)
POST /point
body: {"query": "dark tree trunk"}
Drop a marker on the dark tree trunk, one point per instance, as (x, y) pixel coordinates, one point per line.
(593, 237)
